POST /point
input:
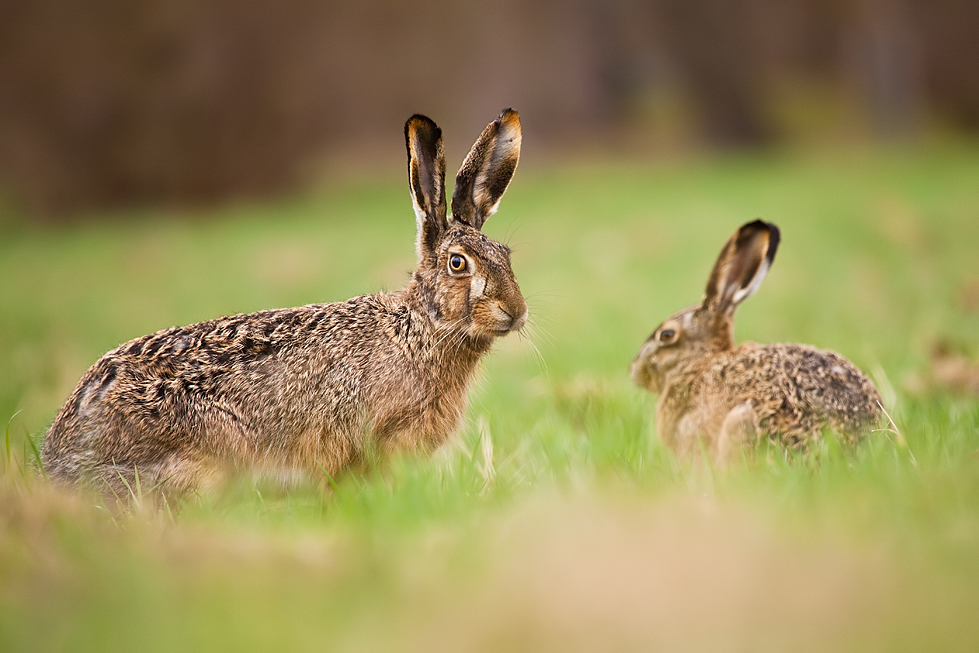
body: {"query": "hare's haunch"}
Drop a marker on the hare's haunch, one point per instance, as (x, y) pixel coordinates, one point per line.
(295, 390)
(716, 397)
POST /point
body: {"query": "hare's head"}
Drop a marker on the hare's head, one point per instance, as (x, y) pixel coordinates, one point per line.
(465, 277)
(708, 327)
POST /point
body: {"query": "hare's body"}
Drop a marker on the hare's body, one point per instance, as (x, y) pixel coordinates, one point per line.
(286, 389)
(790, 392)
(716, 398)
(309, 389)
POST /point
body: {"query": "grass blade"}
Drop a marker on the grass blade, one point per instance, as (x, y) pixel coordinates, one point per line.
(35, 451)
(7, 437)
(333, 484)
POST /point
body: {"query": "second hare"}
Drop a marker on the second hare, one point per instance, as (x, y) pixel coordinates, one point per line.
(311, 389)
(717, 398)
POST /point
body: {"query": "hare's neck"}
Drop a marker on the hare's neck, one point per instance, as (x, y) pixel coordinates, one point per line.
(687, 373)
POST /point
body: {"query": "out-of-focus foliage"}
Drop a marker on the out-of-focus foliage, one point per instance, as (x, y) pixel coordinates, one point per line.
(138, 101)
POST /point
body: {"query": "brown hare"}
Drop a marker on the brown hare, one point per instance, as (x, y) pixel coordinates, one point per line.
(291, 391)
(715, 397)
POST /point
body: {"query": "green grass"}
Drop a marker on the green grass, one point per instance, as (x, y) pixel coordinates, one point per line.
(555, 520)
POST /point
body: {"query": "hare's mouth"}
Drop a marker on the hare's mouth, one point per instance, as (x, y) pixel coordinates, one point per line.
(642, 376)
(495, 320)
(638, 373)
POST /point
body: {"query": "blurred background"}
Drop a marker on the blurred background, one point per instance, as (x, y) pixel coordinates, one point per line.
(115, 103)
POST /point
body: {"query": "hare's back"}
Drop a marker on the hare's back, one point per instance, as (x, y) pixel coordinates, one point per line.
(798, 390)
(202, 357)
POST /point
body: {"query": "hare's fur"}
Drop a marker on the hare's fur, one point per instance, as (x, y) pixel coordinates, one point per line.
(309, 389)
(718, 399)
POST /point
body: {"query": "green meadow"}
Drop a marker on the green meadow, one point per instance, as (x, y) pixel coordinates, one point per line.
(555, 520)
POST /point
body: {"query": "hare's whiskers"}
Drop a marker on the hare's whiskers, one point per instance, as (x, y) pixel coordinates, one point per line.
(449, 330)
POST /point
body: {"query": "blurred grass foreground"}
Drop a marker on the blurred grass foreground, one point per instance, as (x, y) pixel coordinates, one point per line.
(556, 520)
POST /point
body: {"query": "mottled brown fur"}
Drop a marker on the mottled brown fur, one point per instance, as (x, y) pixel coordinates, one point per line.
(290, 390)
(718, 398)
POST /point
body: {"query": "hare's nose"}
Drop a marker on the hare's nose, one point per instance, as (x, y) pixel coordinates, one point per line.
(519, 321)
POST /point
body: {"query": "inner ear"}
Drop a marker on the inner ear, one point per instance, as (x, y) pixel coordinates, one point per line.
(426, 180)
(742, 266)
(487, 170)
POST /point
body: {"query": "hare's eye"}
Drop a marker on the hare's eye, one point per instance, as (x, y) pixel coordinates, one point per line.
(457, 263)
(666, 335)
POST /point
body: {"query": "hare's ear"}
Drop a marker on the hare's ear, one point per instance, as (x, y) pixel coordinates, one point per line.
(426, 178)
(742, 266)
(487, 170)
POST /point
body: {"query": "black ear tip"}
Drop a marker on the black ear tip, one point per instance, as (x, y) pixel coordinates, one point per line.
(772, 228)
(509, 117)
(760, 225)
(757, 226)
(422, 120)
(774, 236)
(422, 126)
